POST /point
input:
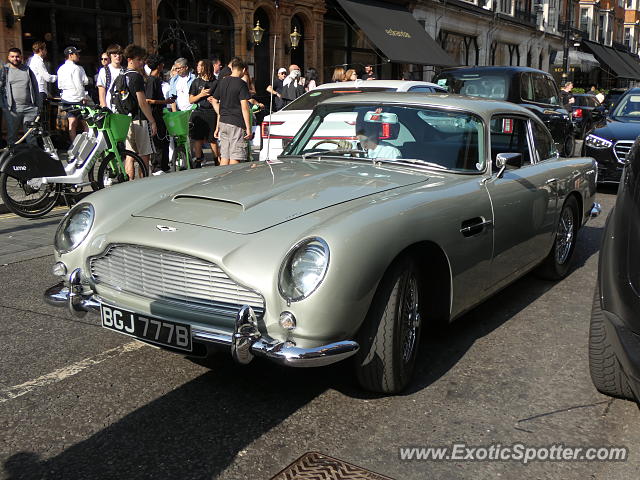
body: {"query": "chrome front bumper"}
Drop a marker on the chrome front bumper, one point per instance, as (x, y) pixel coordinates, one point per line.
(245, 342)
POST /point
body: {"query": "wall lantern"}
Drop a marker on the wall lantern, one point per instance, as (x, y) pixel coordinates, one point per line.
(256, 36)
(18, 7)
(295, 37)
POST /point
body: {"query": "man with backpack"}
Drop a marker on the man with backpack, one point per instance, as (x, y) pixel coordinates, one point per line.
(128, 98)
(108, 73)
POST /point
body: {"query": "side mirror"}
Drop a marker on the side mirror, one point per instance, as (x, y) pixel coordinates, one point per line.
(509, 161)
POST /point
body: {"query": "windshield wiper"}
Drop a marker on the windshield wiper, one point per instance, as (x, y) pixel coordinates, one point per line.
(413, 161)
(330, 153)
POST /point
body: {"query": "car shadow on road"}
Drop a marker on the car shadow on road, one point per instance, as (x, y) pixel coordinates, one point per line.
(194, 431)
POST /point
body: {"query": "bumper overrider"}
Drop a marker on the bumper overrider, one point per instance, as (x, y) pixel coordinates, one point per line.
(245, 342)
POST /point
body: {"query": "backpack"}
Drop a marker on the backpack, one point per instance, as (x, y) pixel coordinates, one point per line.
(121, 97)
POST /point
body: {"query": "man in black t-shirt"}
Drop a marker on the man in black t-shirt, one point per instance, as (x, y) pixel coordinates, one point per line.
(231, 102)
(143, 125)
(155, 98)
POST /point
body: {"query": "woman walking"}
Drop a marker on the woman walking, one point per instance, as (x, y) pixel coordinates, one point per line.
(310, 79)
(204, 118)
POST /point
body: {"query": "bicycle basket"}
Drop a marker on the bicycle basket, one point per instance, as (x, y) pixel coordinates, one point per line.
(177, 122)
(119, 126)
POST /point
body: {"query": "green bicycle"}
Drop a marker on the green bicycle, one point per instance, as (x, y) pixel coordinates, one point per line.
(177, 124)
(32, 178)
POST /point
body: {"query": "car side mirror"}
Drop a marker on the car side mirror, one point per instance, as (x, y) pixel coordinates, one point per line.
(509, 161)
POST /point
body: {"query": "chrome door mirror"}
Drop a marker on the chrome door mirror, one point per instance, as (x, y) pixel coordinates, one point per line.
(508, 160)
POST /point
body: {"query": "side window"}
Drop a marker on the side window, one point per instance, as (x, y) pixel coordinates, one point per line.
(541, 91)
(421, 89)
(543, 141)
(509, 135)
(554, 94)
(526, 87)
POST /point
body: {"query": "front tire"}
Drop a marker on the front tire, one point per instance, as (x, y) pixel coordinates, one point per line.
(28, 201)
(390, 334)
(109, 174)
(556, 265)
(568, 145)
(606, 372)
(179, 159)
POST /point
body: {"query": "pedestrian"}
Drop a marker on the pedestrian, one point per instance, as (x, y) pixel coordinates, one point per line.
(566, 96)
(600, 97)
(108, 73)
(593, 91)
(350, 75)
(310, 79)
(37, 66)
(226, 70)
(180, 85)
(338, 74)
(231, 102)
(204, 118)
(276, 89)
(292, 87)
(143, 125)
(217, 65)
(369, 73)
(157, 100)
(72, 80)
(19, 94)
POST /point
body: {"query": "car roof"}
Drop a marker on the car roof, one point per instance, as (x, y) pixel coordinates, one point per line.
(482, 106)
(397, 84)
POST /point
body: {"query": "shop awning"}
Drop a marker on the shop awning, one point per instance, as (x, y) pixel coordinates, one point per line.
(586, 61)
(396, 33)
(631, 61)
(609, 57)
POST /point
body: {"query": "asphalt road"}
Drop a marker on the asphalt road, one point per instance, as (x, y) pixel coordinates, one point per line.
(80, 402)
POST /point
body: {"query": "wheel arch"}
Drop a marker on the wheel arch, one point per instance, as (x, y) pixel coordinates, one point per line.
(580, 202)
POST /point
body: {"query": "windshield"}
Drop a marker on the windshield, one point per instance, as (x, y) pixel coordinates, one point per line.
(310, 99)
(428, 136)
(475, 84)
(628, 108)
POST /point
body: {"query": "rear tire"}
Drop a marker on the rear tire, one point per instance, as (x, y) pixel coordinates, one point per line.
(26, 201)
(606, 372)
(179, 159)
(556, 265)
(390, 334)
(109, 176)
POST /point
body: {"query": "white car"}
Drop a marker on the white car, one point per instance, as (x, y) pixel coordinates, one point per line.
(279, 128)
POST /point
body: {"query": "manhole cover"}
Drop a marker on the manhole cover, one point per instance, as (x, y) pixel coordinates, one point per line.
(317, 466)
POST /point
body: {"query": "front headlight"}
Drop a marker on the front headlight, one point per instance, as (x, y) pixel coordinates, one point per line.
(303, 269)
(594, 141)
(74, 228)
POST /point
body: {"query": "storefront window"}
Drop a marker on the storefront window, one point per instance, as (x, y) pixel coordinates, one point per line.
(462, 48)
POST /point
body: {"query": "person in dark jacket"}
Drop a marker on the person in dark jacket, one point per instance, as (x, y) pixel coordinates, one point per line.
(292, 86)
(19, 94)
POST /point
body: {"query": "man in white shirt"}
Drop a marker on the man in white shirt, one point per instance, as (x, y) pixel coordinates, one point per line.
(72, 80)
(37, 66)
(370, 141)
(107, 75)
(180, 85)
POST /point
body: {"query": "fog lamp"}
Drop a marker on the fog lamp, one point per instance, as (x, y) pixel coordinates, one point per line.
(287, 321)
(59, 269)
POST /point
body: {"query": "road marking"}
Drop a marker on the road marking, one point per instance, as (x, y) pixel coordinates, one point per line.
(56, 376)
(13, 215)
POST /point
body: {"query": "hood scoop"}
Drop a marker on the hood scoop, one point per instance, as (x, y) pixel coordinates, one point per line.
(187, 200)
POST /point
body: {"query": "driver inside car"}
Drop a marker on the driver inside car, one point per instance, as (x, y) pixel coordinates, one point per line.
(370, 141)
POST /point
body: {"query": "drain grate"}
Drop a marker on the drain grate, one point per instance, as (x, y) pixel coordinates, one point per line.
(317, 466)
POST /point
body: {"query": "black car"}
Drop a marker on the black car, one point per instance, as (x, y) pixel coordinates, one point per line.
(610, 143)
(614, 335)
(587, 113)
(612, 97)
(531, 88)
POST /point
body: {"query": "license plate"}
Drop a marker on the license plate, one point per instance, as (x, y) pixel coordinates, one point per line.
(161, 332)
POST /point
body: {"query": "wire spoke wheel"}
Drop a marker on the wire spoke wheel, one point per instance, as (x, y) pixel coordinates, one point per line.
(565, 236)
(409, 317)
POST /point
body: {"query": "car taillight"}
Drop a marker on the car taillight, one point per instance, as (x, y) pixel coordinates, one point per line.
(264, 128)
(577, 113)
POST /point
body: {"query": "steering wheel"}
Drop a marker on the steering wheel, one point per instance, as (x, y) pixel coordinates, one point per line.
(332, 142)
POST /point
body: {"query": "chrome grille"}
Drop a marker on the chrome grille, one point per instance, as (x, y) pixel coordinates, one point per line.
(174, 277)
(621, 148)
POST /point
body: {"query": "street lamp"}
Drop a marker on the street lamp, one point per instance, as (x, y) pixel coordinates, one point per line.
(18, 7)
(256, 33)
(295, 37)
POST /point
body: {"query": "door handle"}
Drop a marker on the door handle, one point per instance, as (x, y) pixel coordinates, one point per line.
(473, 226)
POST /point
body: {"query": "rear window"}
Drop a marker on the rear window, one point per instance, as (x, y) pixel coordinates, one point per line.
(475, 84)
(310, 99)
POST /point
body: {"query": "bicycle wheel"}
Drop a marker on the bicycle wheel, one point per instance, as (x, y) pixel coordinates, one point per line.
(179, 159)
(109, 174)
(28, 198)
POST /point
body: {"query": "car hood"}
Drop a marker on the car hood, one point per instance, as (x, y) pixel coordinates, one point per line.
(257, 196)
(618, 130)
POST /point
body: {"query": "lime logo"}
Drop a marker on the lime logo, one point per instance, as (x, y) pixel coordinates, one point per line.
(20, 167)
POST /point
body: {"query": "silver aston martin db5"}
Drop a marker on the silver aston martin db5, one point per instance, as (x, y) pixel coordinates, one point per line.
(387, 212)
